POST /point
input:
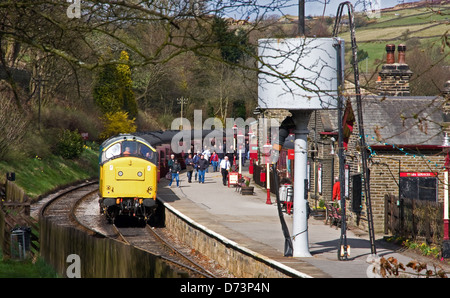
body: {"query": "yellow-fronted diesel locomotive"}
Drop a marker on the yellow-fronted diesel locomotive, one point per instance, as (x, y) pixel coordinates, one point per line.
(128, 177)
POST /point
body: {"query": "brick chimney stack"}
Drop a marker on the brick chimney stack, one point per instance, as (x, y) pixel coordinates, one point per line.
(394, 77)
(446, 90)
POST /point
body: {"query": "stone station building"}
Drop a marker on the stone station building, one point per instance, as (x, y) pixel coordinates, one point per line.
(404, 136)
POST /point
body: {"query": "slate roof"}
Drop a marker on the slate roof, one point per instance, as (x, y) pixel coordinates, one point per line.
(405, 120)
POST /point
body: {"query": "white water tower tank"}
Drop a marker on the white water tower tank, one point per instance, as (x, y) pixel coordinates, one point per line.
(299, 73)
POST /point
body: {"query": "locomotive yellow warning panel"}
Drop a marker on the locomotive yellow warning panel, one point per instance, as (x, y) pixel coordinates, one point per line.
(128, 177)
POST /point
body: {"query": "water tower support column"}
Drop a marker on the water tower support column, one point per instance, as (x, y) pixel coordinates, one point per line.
(300, 241)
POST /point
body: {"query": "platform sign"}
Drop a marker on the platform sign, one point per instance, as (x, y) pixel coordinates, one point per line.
(291, 154)
(418, 174)
(233, 178)
(253, 152)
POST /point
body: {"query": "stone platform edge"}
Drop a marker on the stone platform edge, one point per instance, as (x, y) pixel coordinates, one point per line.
(240, 261)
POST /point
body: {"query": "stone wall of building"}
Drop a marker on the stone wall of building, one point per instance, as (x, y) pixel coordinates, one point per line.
(385, 167)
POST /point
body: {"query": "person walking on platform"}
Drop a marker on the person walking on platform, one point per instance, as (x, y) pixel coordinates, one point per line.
(202, 166)
(196, 158)
(175, 170)
(224, 168)
(189, 161)
(214, 161)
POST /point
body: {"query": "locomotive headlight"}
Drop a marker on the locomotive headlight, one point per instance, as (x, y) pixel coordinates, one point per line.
(120, 173)
(139, 174)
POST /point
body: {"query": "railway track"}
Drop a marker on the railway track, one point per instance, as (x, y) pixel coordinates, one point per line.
(151, 240)
(60, 208)
(63, 209)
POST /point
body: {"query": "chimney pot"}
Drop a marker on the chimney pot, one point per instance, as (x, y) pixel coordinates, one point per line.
(401, 54)
(390, 49)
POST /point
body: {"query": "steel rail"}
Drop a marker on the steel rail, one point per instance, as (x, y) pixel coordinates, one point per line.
(193, 266)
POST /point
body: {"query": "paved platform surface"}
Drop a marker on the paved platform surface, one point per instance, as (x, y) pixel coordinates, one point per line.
(250, 222)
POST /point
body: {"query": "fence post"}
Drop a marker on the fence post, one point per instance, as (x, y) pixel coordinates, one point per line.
(386, 214)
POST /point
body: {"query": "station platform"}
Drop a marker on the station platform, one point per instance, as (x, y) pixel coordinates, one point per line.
(255, 225)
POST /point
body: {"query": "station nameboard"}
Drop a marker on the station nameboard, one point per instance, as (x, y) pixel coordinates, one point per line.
(418, 174)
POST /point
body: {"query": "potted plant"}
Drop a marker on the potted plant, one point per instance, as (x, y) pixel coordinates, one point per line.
(320, 210)
(246, 189)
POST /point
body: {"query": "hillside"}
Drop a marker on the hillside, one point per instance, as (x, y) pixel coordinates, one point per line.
(417, 27)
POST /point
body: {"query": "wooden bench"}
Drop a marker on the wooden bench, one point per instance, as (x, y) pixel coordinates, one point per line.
(241, 182)
(333, 216)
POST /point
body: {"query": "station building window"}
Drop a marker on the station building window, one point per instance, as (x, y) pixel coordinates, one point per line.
(419, 186)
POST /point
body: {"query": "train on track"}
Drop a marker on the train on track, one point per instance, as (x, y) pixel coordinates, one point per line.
(131, 166)
(128, 177)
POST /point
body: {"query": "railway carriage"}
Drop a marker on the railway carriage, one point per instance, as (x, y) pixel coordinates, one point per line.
(131, 166)
(128, 177)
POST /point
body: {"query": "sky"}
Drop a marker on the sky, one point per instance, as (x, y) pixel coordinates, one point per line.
(315, 7)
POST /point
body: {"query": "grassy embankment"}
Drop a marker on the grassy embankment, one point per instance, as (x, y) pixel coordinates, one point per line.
(38, 176)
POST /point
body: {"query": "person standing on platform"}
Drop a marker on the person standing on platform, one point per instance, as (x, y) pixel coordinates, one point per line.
(224, 169)
(207, 154)
(202, 166)
(220, 153)
(170, 162)
(175, 170)
(231, 154)
(196, 159)
(214, 161)
(189, 167)
(337, 191)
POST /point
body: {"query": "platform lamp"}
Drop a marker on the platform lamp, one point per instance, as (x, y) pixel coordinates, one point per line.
(240, 144)
(299, 75)
(446, 241)
(234, 143)
(267, 148)
(251, 136)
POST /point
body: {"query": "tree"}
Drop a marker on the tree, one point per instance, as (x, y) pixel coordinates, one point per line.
(126, 86)
(232, 43)
(113, 91)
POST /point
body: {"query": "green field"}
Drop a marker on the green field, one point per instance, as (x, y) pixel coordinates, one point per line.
(422, 25)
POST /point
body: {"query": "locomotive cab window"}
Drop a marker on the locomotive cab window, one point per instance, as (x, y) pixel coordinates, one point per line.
(112, 151)
(129, 148)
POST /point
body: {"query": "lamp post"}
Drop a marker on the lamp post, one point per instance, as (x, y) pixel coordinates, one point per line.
(446, 242)
(234, 142)
(240, 144)
(251, 136)
(266, 150)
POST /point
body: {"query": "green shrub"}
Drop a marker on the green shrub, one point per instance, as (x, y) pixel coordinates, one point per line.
(70, 144)
(116, 123)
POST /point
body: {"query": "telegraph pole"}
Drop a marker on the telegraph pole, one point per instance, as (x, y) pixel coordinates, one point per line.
(301, 17)
(182, 101)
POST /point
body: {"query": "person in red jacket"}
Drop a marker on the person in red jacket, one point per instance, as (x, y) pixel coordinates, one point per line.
(337, 191)
(214, 160)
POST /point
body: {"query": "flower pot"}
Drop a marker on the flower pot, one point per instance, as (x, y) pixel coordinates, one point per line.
(319, 213)
(247, 190)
